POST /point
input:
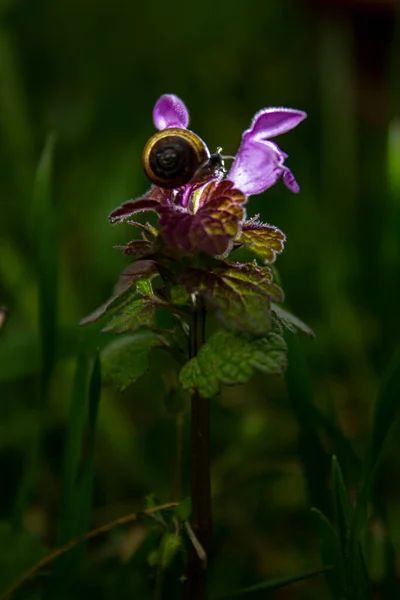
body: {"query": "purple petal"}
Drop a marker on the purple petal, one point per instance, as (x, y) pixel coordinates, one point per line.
(290, 181)
(259, 163)
(269, 122)
(170, 111)
(257, 166)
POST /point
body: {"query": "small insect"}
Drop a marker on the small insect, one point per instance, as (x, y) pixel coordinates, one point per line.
(175, 157)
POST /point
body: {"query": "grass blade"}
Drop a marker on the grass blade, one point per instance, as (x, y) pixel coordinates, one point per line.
(45, 233)
(45, 236)
(343, 507)
(331, 554)
(274, 584)
(386, 407)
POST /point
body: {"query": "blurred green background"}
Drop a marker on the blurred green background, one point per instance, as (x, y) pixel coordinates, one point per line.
(90, 73)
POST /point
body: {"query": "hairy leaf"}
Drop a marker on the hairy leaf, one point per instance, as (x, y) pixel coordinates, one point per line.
(152, 200)
(125, 292)
(239, 293)
(266, 241)
(139, 313)
(126, 358)
(137, 248)
(213, 224)
(230, 358)
(290, 321)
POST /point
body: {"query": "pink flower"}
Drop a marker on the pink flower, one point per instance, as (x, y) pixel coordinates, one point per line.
(207, 214)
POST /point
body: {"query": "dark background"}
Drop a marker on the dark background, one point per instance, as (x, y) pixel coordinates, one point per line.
(90, 72)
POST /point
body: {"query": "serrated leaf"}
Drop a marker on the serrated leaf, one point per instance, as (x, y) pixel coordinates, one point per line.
(266, 241)
(240, 294)
(125, 292)
(230, 358)
(290, 321)
(137, 248)
(212, 227)
(133, 316)
(331, 554)
(126, 358)
(274, 584)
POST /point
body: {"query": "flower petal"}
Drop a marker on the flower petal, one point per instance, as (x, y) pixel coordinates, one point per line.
(259, 163)
(257, 166)
(269, 122)
(170, 111)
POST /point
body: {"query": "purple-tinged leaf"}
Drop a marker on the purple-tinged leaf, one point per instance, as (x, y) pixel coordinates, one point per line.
(146, 228)
(213, 225)
(152, 200)
(137, 248)
(266, 241)
(131, 207)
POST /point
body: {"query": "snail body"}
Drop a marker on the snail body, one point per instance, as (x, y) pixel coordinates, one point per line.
(174, 157)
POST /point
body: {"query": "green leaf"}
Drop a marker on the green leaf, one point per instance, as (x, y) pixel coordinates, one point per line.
(274, 584)
(354, 564)
(290, 321)
(331, 554)
(239, 293)
(230, 358)
(385, 411)
(132, 316)
(45, 233)
(266, 241)
(170, 545)
(128, 290)
(126, 358)
(70, 503)
(184, 509)
(343, 507)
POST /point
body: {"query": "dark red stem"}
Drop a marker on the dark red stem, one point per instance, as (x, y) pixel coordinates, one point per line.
(195, 587)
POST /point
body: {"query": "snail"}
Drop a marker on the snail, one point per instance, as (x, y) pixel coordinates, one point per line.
(175, 157)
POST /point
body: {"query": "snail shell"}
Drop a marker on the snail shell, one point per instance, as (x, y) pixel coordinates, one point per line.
(174, 156)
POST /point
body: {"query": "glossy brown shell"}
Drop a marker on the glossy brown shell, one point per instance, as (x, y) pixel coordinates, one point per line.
(172, 157)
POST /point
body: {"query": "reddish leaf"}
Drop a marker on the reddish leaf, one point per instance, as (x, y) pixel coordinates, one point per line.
(152, 200)
(212, 226)
(264, 240)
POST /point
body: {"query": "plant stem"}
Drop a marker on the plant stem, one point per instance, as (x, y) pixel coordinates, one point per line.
(196, 576)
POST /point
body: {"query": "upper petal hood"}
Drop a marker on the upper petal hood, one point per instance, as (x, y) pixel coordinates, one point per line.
(170, 111)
